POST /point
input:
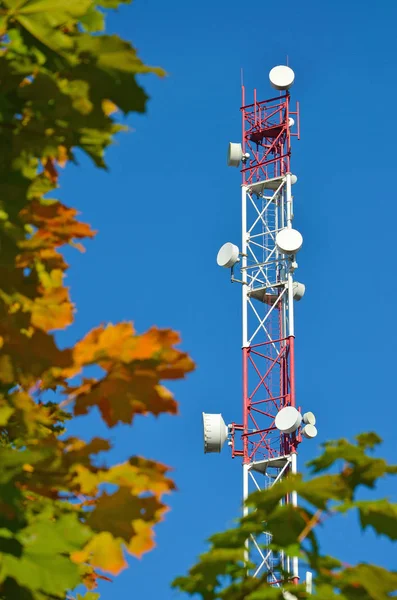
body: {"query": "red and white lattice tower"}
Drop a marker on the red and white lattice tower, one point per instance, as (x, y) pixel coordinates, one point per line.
(267, 439)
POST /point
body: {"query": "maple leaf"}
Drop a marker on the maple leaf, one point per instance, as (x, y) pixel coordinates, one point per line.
(103, 552)
(122, 394)
(31, 354)
(140, 475)
(56, 224)
(43, 543)
(102, 342)
(46, 20)
(53, 310)
(120, 342)
(128, 517)
(135, 365)
(48, 257)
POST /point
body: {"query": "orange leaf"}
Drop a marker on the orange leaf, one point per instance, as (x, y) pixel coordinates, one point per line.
(56, 225)
(50, 258)
(135, 365)
(53, 310)
(103, 342)
(118, 342)
(122, 394)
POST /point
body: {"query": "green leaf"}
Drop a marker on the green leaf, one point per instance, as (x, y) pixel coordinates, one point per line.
(44, 20)
(110, 84)
(44, 564)
(285, 524)
(93, 20)
(368, 440)
(267, 500)
(376, 582)
(326, 592)
(61, 11)
(359, 468)
(379, 514)
(12, 461)
(205, 577)
(111, 52)
(320, 490)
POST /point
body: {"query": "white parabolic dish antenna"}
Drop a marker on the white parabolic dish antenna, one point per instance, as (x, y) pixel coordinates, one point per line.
(289, 241)
(309, 418)
(281, 77)
(234, 154)
(298, 292)
(288, 419)
(215, 432)
(309, 431)
(228, 255)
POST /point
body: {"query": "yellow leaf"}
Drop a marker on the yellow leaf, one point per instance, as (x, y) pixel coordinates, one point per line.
(63, 156)
(139, 475)
(52, 279)
(103, 552)
(85, 481)
(143, 539)
(109, 107)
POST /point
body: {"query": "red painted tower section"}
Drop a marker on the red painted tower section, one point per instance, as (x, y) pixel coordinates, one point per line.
(269, 291)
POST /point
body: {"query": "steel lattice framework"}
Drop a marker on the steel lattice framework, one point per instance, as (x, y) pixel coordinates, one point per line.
(268, 290)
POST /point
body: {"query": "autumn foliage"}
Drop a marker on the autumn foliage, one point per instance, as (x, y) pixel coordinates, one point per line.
(65, 518)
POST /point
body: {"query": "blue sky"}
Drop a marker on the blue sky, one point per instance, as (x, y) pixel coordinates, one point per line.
(169, 202)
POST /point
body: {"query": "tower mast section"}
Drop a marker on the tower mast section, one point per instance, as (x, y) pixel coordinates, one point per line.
(272, 425)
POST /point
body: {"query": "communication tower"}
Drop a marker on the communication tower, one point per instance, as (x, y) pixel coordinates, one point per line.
(273, 424)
